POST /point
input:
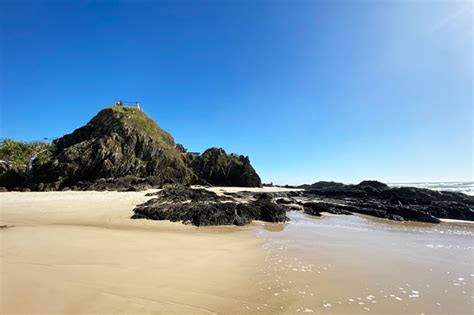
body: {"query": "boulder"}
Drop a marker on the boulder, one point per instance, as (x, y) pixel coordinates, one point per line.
(12, 176)
(373, 184)
(218, 168)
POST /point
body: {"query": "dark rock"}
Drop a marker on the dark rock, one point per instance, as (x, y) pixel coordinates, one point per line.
(323, 185)
(218, 168)
(201, 208)
(12, 176)
(372, 208)
(377, 199)
(411, 195)
(312, 211)
(49, 186)
(373, 184)
(396, 217)
(315, 208)
(122, 149)
(3, 189)
(198, 213)
(269, 211)
(181, 193)
(119, 142)
(294, 194)
(285, 201)
(451, 210)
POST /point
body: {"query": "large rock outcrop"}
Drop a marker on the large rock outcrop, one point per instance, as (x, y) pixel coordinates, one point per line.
(120, 146)
(218, 168)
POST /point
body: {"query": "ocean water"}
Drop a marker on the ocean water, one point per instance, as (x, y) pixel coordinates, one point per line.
(463, 187)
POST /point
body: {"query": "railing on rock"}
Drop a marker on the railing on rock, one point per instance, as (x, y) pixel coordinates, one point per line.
(135, 104)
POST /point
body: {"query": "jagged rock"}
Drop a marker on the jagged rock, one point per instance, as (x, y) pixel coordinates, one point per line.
(285, 201)
(49, 186)
(451, 210)
(118, 142)
(294, 194)
(315, 208)
(269, 211)
(398, 213)
(12, 176)
(218, 168)
(198, 209)
(181, 193)
(374, 184)
(411, 195)
(3, 189)
(322, 185)
(372, 208)
(121, 148)
(403, 203)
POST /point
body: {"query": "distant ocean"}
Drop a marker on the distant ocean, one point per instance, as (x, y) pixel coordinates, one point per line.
(463, 187)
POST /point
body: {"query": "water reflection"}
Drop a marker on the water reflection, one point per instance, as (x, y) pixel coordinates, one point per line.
(355, 263)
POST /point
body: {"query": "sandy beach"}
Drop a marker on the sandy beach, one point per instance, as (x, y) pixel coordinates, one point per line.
(79, 252)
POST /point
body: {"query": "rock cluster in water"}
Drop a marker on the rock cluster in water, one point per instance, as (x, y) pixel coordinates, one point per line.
(201, 208)
(121, 148)
(377, 199)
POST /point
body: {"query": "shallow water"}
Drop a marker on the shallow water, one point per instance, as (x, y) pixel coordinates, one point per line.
(359, 264)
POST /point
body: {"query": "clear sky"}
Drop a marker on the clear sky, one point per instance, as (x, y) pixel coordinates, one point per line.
(310, 90)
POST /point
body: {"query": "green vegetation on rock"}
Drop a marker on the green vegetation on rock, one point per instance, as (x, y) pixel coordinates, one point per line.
(119, 148)
(138, 119)
(18, 153)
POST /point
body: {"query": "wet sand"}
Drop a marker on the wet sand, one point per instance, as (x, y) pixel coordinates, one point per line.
(78, 252)
(359, 264)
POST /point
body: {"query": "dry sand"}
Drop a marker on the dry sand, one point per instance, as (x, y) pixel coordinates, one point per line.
(79, 252)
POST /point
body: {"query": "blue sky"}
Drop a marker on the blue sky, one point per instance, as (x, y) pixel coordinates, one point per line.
(310, 90)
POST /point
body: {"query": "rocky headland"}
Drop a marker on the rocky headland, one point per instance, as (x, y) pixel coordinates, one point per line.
(121, 148)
